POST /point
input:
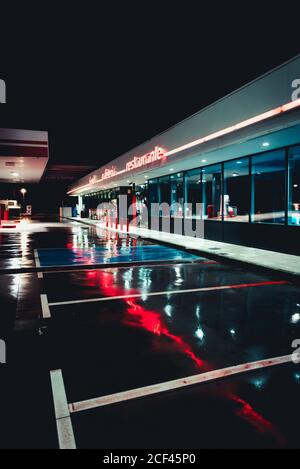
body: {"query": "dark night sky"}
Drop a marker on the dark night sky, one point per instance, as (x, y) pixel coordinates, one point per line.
(103, 81)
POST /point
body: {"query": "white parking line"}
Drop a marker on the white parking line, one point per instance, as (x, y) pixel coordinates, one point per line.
(168, 292)
(176, 384)
(111, 266)
(65, 432)
(104, 265)
(45, 307)
(37, 259)
(59, 395)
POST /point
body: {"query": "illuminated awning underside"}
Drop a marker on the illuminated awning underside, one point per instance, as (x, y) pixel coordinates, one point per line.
(281, 119)
(24, 155)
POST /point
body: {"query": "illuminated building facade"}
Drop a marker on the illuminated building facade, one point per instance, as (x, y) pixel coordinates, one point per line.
(239, 158)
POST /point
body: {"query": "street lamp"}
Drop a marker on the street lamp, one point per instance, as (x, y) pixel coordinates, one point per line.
(23, 192)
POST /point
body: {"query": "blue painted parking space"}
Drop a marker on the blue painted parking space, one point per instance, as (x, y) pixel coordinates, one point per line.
(115, 254)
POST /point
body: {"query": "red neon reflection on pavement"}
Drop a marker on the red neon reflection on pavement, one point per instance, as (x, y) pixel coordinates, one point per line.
(92, 274)
(138, 316)
(257, 420)
(151, 321)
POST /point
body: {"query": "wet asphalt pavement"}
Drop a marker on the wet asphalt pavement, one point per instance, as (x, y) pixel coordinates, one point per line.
(114, 329)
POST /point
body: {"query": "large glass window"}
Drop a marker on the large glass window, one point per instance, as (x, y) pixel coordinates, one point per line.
(236, 190)
(153, 192)
(164, 195)
(192, 192)
(177, 198)
(294, 186)
(153, 198)
(212, 192)
(268, 187)
(141, 193)
(164, 190)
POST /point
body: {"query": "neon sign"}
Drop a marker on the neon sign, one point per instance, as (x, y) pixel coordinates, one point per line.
(108, 173)
(156, 155)
(159, 153)
(92, 179)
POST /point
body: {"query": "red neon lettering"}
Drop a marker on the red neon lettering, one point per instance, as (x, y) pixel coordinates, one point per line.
(139, 161)
(108, 173)
(92, 179)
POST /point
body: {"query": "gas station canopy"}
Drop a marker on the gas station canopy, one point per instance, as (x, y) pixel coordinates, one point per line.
(24, 155)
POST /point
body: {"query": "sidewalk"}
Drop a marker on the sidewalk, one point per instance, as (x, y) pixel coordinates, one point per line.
(273, 261)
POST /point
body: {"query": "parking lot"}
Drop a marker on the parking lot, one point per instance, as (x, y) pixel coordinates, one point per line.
(123, 343)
